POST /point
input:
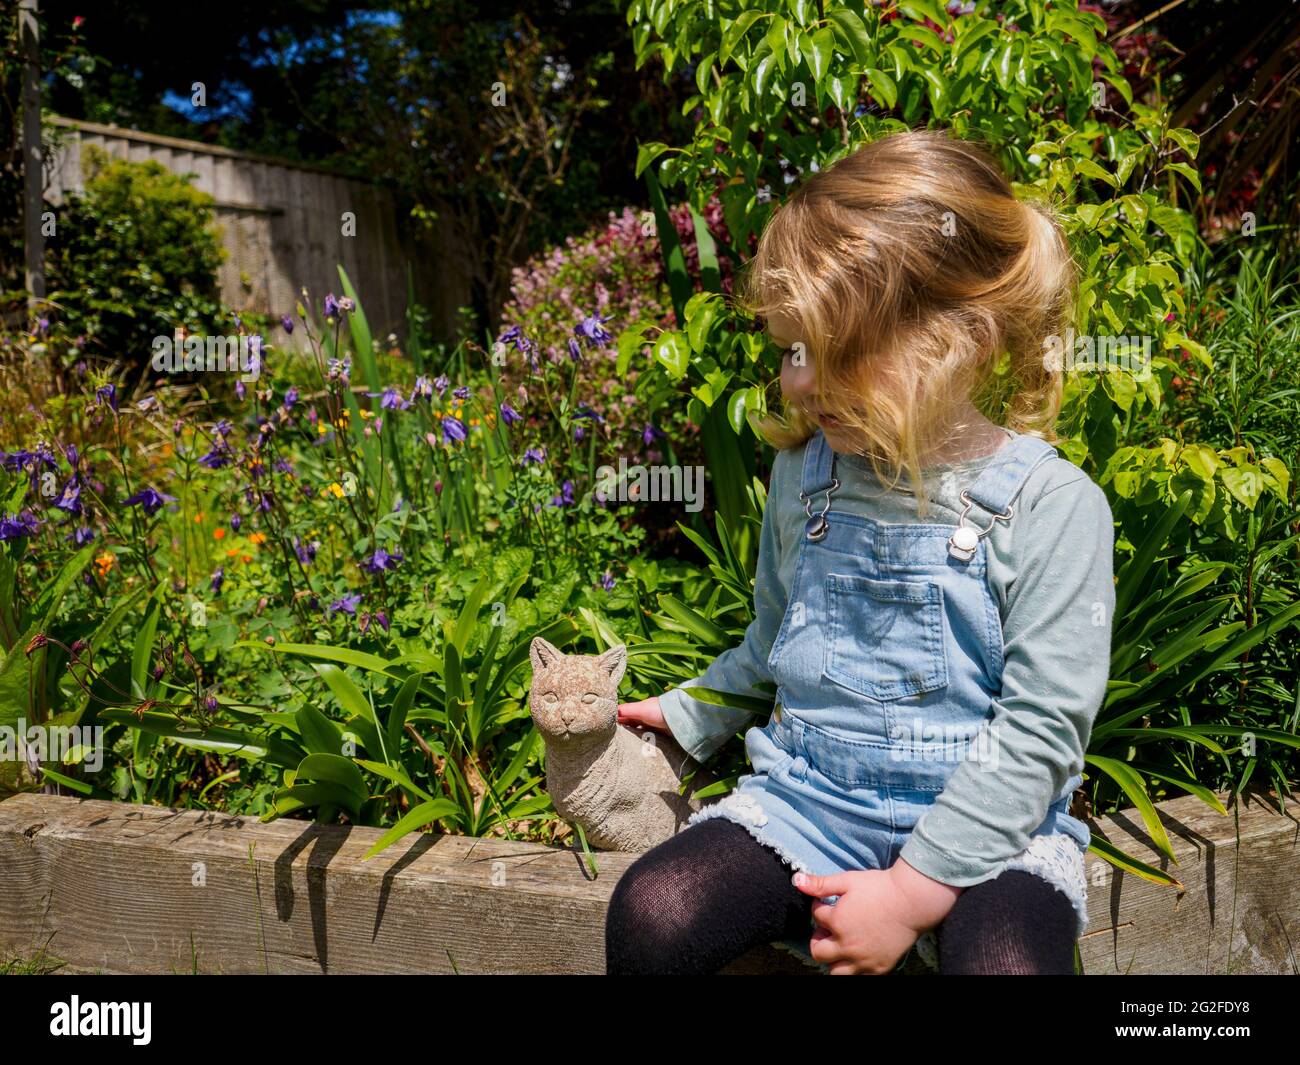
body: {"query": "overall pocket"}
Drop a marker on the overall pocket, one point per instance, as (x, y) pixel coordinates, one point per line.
(885, 638)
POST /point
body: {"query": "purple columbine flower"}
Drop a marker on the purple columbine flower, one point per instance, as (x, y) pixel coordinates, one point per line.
(575, 351)
(515, 335)
(392, 400)
(509, 415)
(650, 434)
(306, 552)
(70, 500)
(150, 499)
(607, 581)
(565, 498)
(593, 331)
(339, 371)
(235, 522)
(331, 306)
(287, 324)
(217, 577)
(81, 536)
(347, 304)
(440, 383)
(72, 455)
(533, 454)
(290, 398)
(218, 457)
(381, 560)
(23, 523)
(461, 392)
(382, 618)
(346, 604)
(452, 429)
(578, 434)
(585, 411)
(107, 394)
(423, 388)
(240, 390)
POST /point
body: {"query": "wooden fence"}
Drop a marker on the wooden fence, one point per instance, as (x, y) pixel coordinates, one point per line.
(282, 227)
(117, 888)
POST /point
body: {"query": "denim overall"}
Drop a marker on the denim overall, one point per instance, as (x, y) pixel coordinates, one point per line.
(887, 663)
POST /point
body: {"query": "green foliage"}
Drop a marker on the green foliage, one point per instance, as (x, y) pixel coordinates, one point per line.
(134, 257)
(787, 87)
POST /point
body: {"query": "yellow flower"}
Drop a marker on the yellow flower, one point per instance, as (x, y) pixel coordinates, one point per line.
(258, 538)
(366, 413)
(322, 428)
(335, 489)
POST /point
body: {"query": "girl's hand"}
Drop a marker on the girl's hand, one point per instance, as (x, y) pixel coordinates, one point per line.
(646, 713)
(877, 918)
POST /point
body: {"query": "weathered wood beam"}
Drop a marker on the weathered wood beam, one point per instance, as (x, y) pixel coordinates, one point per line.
(119, 888)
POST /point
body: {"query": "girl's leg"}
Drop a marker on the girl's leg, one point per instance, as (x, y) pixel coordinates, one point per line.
(1015, 924)
(700, 900)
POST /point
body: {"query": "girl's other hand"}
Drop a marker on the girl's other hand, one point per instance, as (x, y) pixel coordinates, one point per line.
(646, 713)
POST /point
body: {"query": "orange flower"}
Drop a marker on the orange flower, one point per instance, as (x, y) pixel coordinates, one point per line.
(248, 558)
(232, 552)
(104, 563)
(258, 538)
(218, 534)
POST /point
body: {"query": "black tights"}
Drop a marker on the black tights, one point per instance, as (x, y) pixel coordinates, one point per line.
(712, 892)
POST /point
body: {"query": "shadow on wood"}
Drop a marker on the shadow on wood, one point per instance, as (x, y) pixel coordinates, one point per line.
(117, 888)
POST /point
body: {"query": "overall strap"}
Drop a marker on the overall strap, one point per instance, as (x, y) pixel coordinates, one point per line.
(998, 485)
(817, 458)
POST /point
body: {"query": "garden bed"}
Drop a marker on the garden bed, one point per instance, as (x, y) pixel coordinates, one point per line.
(118, 888)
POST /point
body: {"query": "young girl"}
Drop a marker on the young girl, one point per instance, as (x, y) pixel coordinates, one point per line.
(932, 602)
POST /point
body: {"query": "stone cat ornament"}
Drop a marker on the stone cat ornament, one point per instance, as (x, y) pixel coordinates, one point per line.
(619, 783)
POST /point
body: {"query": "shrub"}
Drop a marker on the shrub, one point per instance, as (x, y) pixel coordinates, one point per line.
(134, 256)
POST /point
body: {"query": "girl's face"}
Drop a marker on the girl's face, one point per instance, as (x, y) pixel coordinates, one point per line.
(797, 378)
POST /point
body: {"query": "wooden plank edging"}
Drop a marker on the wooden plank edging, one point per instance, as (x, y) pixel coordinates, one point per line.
(119, 888)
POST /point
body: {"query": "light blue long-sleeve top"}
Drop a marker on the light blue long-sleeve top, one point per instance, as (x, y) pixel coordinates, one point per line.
(1051, 573)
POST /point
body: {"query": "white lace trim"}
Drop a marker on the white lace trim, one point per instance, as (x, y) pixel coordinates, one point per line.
(1058, 859)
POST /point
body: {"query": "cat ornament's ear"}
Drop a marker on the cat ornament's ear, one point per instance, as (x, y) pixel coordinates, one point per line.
(613, 663)
(543, 654)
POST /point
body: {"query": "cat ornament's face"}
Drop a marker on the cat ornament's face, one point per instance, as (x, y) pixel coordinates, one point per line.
(575, 696)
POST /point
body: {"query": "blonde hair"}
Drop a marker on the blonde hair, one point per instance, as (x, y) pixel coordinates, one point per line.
(911, 268)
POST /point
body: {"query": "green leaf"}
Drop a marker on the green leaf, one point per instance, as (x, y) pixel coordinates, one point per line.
(1131, 784)
(853, 32)
(819, 53)
(306, 796)
(673, 354)
(327, 652)
(648, 153)
(733, 34)
(335, 769)
(716, 697)
(1129, 864)
(883, 87)
(350, 697)
(319, 734)
(424, 814)
(141, 651)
